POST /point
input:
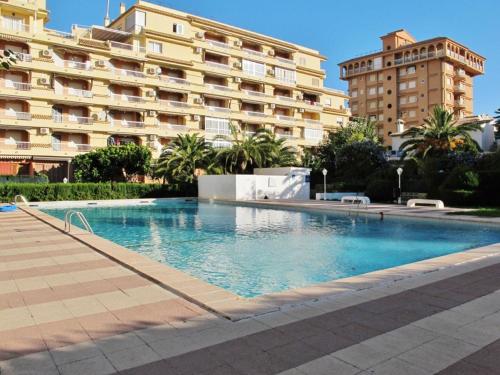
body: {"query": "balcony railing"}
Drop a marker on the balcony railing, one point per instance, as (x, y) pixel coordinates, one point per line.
(460, 88)
(127, 123)
(176, 127)
(216, 43)
(460, 103)
(127, 98)
(254, 53)
(77, 65)
(218, 109)
(217, 65)
(317, 104)
(254, 93)
(71, 147)
(74, 119)
(26, 116)
(312, 121)
(254, 113)
(128, 73)
(285, 118)
(21, 86)
(461, 73)
(127, 47)
(18, 145)
(174, 103)
(78, 92)
(218, 87)
(285, 98)
(180, 81)
(286, 61)
(15, 26)
(285, 136)
(60, 34)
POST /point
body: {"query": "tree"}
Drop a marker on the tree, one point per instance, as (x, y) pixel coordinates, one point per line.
(183, 159)
(245, 154)
(8, 59)
(497, 117)
(277, 152)
(440, 134)
(113, 163)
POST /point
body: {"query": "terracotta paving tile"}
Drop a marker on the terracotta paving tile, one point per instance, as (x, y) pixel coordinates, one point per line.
(21, 341)
(63, 333)
(40, 255)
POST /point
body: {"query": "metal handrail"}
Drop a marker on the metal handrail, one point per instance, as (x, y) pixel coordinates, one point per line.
(68, 218)
(22, 197)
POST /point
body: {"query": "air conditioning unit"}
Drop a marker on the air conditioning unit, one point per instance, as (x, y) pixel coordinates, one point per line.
(271, 52)
(43, 81)
(301, 110)
(44, 131)
(199, 35)
(151, 71)
(299, 97)
(272, 105)
(196, 117)
(100, 63)
(151, 94)
(198, 50)
(270, 72)
(153, 137)
(237, 79)
(238, 43)
(46, 53)
(237, 65)
(198, 101)
(151, 113)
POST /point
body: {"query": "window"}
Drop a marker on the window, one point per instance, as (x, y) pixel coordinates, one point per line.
(354, 93)
(315, 82)
(354, 107)
(328, 102)
(412, 114)
(340, 120)
(412, 99)
(155, 47)
(377, 63)
(372, 91)
(285, 75)
(354, 81)
(412, 84)
(381, 117)
(448, 81)
(254, 69)
(373, 77)
(411, 70)
(381, 77)
(381, 89)
(178, 28)
(372, 117)
(402, 86)
(217, 126)
(313, 133)
(402, 100)
(373, 105)
(380, 103)
(302, 61)
(135, 21)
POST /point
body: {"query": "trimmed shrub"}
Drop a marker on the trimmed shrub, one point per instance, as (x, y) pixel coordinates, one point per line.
(381, 190)
(461, 178)
(86, 191)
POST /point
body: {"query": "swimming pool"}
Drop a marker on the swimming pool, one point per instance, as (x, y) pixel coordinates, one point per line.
(252, 251)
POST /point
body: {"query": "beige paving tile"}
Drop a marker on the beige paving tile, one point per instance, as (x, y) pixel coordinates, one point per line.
(84, 306)
(49, 312)
(15, 318)
(116, 300)
(8, 286)
(150, 294)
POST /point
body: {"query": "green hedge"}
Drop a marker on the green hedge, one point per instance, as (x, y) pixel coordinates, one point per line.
(85, 191)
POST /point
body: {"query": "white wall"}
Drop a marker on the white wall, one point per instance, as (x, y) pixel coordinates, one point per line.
(217, 187)
(485, 138)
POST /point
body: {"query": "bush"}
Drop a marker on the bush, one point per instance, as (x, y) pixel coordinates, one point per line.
(41, 178)
(459, 198)
(461, 178)
(86, 191)
(381, 190)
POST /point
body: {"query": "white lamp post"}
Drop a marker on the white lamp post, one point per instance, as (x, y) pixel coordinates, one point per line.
(400, 172)
(325, 172)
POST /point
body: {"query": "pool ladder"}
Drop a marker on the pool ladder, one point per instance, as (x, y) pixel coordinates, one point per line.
(21, 198)
(68, 219)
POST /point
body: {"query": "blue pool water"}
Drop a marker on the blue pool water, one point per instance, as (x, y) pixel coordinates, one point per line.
(253, 251)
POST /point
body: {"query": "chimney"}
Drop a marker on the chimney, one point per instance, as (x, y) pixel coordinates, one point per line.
(122, 8)
(107, 20)
(400, 124)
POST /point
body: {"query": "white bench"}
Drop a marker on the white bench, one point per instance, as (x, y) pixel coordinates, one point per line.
(425, 202)
(333, 196)
(354, 199)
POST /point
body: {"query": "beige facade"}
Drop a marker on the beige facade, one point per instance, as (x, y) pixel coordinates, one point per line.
(406, 79)
(149, 75)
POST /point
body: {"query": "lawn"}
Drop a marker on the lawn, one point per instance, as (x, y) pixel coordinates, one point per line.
(481, 212)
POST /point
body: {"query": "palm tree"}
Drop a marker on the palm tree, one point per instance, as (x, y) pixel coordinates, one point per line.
(497, 117)
(182, 160)
(245, 153)
(440, 134)
(277, 152)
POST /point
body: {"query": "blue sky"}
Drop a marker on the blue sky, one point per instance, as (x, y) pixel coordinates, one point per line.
(339, 30)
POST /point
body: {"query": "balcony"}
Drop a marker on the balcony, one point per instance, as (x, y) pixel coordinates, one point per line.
(285, 136)
(460, 103)
(127, 123)
(218, 109)
(60, 34)
(311, 121)
(14, 26)
(254, 114)
(254, 93)
(80, 120)
(180, 81)
(285, 98)
(127, 47)
(24, 116)
(174, 103)
(252, 52)
(78, 92)
(127, 98)
(286, 61)
(71, 147)
(216, 43)
(176, 127)
(460, 74)
(217, 65)
(76, 65)
(285, 118)
(18, 145)
(23, 57)
(317, 104)
(460, 88)
(21, 86)
(128, 73)
(218, 87)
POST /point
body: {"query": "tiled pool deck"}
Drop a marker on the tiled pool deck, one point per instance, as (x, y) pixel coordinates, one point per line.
(82, 305)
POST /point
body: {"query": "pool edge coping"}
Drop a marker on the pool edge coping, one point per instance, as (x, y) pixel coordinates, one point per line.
(231, 306)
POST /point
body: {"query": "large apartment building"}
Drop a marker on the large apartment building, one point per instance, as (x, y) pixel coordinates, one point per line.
(146, 77)
(398, 85)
